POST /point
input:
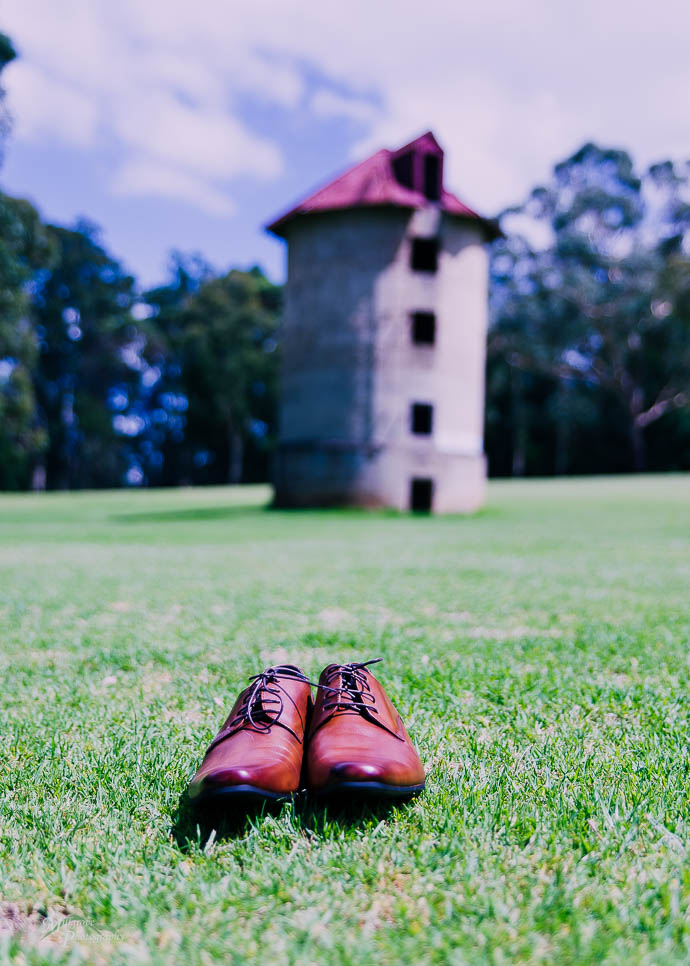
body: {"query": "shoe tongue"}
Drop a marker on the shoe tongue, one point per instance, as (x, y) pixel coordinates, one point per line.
(287, 670)
(341, 678)
(333, 676)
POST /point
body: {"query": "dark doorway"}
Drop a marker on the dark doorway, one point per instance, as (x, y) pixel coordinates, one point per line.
(424, 256)
(423, 328)
(421, 495)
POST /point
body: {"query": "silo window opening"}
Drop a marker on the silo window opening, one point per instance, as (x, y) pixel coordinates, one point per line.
(421, 495)
(403, 169)
(423, 328)
(424, 254)
(422, 419)
(432, 177)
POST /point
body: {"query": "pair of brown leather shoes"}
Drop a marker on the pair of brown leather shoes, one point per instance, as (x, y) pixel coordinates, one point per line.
(350, 742)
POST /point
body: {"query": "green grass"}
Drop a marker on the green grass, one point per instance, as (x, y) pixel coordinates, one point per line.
(538, 652)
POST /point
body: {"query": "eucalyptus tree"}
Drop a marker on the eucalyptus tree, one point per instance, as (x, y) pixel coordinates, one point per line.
(591, 296)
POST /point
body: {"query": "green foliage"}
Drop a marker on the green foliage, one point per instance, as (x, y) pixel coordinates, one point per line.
(595, 322)
(221, 336)
(25, 250)
(87, 348)
(7, 51)
(7, 54)
(537, 652)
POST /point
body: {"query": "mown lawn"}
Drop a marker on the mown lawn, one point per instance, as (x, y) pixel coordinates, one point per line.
(538, 652)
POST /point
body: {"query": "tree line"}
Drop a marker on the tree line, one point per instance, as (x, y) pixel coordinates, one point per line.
(104, 384)
(589, 344)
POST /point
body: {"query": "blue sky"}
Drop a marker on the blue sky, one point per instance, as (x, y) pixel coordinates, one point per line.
(190, 125)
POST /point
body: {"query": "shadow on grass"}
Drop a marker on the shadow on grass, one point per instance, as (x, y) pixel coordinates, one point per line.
(322, 816)
(193, 514)
(201, 513)
(196, 514)
(193, 826)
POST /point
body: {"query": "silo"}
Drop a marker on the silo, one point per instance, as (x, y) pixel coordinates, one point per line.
(383, 340)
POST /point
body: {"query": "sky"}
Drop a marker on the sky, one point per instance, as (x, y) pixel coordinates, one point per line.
(190, 125)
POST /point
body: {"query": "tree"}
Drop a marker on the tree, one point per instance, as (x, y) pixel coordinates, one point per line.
(598, 311)
(87, 371)
(24, 250)
(163, 454)
(230, 365)
(221, 371)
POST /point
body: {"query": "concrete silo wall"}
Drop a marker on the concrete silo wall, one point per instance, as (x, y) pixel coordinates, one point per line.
(328, 351)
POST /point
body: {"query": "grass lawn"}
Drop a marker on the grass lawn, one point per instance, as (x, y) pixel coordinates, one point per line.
(537, 651)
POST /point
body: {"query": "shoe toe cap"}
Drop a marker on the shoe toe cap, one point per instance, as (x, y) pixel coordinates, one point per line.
(227, 777)
(391, 771)
(358, 771)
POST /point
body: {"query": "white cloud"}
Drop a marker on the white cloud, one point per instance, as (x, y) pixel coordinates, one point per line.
(91, 74)
(326, 103)
(509, 87)
(204, 141)
(146, 178)
(46, 106)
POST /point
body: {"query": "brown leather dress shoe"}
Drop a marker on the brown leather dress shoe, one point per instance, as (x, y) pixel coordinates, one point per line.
(258, 752)
(357, 743)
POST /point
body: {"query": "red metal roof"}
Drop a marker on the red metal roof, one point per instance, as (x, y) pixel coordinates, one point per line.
(373, 182)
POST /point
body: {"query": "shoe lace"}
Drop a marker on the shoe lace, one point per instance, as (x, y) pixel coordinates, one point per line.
(263, 703)
(354, 693)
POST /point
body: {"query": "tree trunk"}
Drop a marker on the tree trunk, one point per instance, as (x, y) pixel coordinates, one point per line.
(638, 446)
(637, 440)
(235, 456)
(562, 433)
(38, 478)
(519, 426)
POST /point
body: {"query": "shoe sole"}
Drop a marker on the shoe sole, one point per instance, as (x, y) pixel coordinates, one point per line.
(240, 794)
(368, 790)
